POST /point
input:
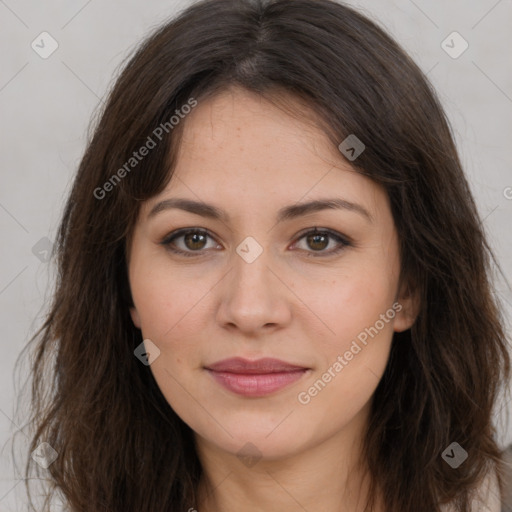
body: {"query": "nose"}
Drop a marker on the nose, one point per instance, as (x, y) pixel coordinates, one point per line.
(253, 297)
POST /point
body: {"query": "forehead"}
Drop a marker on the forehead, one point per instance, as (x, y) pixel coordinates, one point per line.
(237, 131)
(239, 120)
(241, 149)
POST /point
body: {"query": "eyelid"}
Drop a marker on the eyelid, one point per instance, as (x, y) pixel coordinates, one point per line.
(341, 239)
(184, 231)
(169, 238)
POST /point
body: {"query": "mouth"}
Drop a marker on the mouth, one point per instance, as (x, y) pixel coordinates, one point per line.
(255, 378)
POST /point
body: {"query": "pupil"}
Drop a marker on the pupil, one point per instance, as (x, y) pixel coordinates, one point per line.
(315, 239)
(194, 238)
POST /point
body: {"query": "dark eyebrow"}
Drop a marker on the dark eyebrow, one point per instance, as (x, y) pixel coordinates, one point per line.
(286, 213)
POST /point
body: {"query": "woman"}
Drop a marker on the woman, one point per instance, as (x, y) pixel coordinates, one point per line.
(273, 288)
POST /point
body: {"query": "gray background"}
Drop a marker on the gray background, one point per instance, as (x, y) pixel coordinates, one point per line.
(46, 105)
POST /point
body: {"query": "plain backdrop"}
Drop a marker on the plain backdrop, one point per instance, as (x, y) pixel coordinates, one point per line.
(46, 105)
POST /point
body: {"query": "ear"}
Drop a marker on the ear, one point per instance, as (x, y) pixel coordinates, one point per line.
(407, 306)
(135, 316)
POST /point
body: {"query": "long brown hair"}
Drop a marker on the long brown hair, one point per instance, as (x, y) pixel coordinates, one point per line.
(120, 445)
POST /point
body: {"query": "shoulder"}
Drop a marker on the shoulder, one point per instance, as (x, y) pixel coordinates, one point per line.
(486, 498)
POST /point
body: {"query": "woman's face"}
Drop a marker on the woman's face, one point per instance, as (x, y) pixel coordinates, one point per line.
(253, 281)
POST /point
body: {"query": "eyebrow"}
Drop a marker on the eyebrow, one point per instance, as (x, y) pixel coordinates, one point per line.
(286, 213)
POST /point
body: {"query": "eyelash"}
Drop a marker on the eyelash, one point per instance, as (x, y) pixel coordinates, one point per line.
(343, 241)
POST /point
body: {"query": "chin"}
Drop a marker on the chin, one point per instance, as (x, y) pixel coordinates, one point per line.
(252, 440)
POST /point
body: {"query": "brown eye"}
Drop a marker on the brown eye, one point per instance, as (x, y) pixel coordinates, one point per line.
(188, 242)
(317, 241)
(194, 240)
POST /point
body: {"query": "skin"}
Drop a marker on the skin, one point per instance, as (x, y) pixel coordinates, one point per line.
(249, 158)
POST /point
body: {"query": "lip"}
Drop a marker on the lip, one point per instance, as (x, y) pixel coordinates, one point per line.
(255, 378)
(265, 365)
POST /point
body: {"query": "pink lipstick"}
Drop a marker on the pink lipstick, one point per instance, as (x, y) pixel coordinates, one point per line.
(255, 378)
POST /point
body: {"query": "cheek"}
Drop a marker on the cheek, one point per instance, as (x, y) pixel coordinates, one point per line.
(169, 311)
(158, 292)
(172, 308)
(353, 358)
(353, 301)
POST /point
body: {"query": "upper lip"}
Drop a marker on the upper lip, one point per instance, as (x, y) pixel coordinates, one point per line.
(265, 365)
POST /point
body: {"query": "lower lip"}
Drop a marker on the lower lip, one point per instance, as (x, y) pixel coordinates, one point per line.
(256, 385)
